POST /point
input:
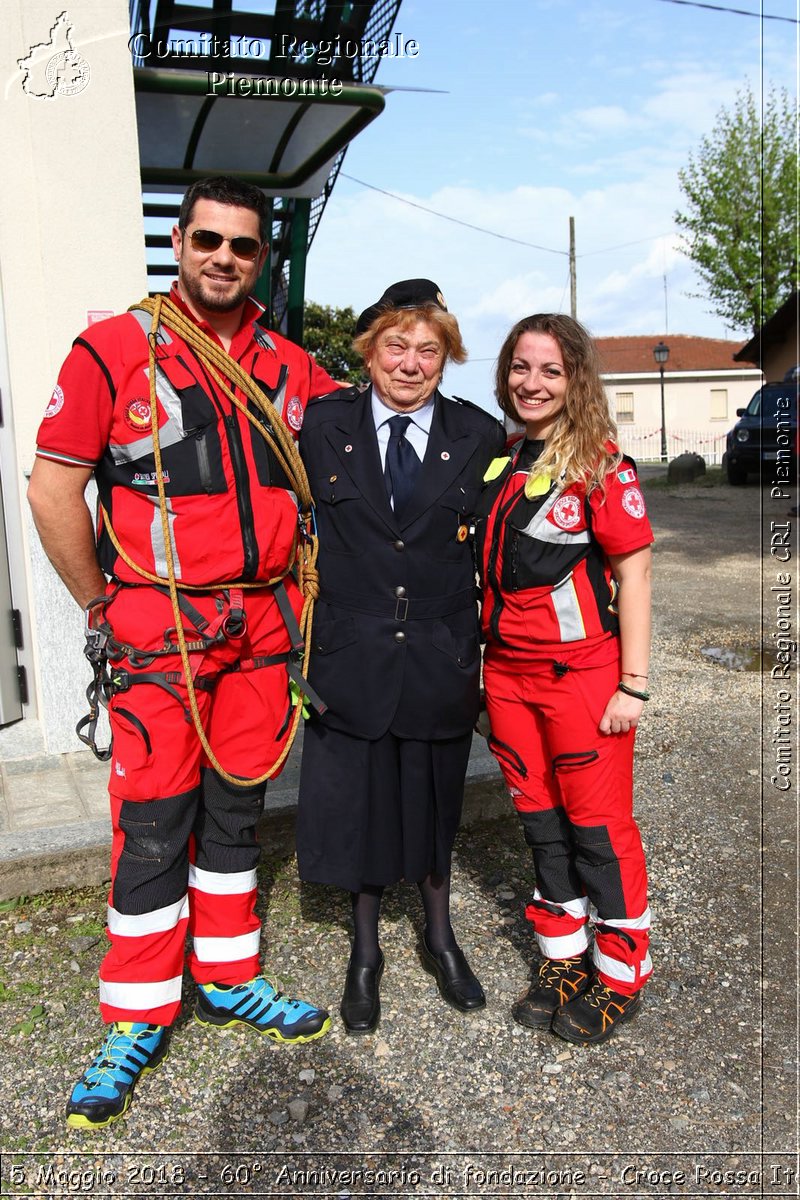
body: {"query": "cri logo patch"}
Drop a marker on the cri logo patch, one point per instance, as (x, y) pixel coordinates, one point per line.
(633, 502)
(56, 402)
(294, 414)
(137, 414)
(567, 512)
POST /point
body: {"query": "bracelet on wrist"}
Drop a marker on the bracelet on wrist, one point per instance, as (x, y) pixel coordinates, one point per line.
(629, 691)
(633, 674)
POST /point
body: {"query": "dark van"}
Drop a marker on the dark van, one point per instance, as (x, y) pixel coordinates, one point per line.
(765, 433)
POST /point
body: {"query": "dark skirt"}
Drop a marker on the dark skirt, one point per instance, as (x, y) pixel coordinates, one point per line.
(371, 813)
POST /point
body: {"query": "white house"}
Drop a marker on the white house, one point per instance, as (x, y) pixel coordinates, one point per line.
(703, 387)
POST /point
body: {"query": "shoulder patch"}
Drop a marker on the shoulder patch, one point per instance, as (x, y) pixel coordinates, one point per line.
(633, 503)
(347, 394)
(470, 404)
(485, 418)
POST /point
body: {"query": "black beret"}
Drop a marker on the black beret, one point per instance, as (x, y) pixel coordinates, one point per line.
(408, 293)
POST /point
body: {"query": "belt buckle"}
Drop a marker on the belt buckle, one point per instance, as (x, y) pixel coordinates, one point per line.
(400, 614)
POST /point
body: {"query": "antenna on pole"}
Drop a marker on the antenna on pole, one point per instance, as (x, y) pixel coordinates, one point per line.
(573, 282)
(666, 311)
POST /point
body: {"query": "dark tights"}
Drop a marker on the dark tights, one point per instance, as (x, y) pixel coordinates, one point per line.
(435, 893)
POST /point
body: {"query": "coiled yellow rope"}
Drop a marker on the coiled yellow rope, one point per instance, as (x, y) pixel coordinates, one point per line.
(282, 444)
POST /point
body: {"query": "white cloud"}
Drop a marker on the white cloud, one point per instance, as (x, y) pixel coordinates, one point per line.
(608, 119)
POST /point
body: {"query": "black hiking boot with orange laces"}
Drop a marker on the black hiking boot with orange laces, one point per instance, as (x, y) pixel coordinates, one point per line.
(559, 981)
(594, 1016)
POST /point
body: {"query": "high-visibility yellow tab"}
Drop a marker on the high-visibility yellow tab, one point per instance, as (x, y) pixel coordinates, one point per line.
(495, 468)
(537, 485)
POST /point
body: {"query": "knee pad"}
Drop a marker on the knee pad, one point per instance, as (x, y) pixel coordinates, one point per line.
(153, 865)
(225, 829)
(599, 868)
(549, 835)
(545, 826)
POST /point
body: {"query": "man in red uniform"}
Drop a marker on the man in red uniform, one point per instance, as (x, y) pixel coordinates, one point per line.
(195, 492)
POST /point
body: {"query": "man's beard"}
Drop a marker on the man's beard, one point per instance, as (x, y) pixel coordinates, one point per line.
(203, 295)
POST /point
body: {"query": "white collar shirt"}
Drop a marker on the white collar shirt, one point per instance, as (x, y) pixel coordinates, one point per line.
(418, 430)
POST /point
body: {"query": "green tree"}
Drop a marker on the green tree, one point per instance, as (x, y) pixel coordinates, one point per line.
(741, 209)
(328, 334)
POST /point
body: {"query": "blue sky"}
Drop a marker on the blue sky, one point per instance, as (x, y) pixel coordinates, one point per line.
(550, 109)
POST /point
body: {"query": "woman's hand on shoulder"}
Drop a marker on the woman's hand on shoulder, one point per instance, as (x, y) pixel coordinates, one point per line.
(622, 714)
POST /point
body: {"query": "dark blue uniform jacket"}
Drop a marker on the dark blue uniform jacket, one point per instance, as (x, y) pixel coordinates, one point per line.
(396, 642)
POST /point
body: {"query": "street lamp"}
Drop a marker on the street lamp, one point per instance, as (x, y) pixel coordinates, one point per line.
(661, 354)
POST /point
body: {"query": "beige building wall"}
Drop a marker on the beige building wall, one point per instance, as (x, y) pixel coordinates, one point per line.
(71, 245)
(700, 406)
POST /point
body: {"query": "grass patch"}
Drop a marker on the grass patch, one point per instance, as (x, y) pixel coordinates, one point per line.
(87, 929)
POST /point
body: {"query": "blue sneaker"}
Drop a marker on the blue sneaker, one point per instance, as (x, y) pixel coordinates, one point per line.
(104, 1091)
(259, 1005)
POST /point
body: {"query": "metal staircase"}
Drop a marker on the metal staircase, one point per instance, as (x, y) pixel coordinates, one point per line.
(256, 38)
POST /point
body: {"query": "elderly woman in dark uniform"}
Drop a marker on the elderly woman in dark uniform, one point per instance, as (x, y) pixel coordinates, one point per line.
(395, 471)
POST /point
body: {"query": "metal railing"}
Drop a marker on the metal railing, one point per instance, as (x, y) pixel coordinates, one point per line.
(645, 444)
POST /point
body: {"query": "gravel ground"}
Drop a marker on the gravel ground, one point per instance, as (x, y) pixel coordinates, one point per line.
(702, 1083)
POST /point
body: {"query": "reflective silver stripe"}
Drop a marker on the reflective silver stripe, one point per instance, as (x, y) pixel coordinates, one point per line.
(157, 539)
(221, 949)
(158, 921)
(145, 321)
(613, 967)
(577, 908)
(214, 883)
(565, 945)
(262, 337)
(544, 531)
(169, 435)
(173, 430)
(642, 922)
(558, 537)
(568, 611)
(170, 400)
(625, 972)
(141, 995)
(568, 945)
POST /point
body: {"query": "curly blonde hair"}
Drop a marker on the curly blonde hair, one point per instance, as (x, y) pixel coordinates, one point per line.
(576, 449)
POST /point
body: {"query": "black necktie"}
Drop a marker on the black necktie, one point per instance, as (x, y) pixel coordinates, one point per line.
(402, 464)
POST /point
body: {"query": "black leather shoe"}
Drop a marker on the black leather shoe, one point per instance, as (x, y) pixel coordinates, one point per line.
(454, 977)
(361, 1002)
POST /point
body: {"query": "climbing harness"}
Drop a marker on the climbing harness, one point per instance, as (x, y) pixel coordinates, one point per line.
(102, 649)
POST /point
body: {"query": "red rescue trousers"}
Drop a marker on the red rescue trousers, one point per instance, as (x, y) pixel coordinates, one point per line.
(572, 787)
(184, 848)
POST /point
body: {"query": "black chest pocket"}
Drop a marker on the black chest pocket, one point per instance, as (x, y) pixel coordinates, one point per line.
(189, 440)
(337, 498)
(456, 508)
(273, 382)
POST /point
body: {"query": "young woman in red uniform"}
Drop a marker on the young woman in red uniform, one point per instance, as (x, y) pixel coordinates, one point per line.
(564, 549)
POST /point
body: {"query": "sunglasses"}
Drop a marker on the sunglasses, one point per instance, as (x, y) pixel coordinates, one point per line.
(206, 241)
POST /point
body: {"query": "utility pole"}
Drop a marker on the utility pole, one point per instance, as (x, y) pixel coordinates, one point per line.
(573, 283)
